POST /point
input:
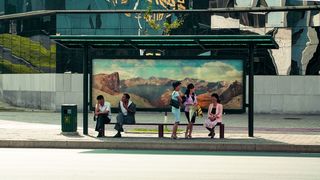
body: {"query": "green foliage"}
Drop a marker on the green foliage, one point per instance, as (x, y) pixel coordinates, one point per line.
(148, 17)
(8, 67)
(166, 27)
(29, 50)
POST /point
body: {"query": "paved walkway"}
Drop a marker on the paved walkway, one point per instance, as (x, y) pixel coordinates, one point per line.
(285, 133)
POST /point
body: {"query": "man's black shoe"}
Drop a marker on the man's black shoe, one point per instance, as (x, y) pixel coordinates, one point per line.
(118, 135)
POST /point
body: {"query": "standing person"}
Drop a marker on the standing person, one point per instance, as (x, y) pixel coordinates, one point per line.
(102, 115)
(214, 114)
(176, 110)
(127, 110)
(190, 104)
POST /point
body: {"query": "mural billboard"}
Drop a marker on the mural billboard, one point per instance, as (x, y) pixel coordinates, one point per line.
(149, 81)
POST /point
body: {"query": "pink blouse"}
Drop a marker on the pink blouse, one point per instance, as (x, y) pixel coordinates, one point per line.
(218, 113)
(189, 102)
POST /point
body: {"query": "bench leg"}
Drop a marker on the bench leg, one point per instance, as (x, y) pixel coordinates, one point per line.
(221, 131)
(103, 131)
(160, 130)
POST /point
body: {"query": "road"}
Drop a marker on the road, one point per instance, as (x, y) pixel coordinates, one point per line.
(78, 164)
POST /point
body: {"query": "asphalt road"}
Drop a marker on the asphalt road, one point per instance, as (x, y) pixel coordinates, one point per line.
(78, 164)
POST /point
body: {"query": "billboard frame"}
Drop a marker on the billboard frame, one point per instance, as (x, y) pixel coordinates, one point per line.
(168, 109)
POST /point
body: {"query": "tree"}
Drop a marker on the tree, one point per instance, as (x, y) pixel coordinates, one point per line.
(166, 26)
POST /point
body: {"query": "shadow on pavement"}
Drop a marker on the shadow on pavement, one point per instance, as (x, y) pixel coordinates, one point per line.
(72, 135)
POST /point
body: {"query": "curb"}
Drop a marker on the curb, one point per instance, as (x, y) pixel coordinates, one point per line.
(139, 145)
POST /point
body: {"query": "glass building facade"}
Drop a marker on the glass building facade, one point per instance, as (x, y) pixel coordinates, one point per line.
(25, 46)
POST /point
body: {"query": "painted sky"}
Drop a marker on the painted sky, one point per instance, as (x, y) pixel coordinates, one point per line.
(208, 70)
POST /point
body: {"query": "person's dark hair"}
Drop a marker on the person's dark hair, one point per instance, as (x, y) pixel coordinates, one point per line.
(127, 95)
(176, 84)
(100, 97)
(187, 93)
(216, 96)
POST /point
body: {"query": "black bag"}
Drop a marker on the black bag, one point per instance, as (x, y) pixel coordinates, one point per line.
(174, 103)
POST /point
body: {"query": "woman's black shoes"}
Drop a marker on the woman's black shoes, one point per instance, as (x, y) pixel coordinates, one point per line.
(212, 135)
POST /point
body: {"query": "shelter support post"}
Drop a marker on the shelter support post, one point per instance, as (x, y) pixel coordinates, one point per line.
(251, 90)
(85, 89)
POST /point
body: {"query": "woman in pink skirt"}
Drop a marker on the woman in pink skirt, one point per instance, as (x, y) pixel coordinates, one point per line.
(214, 114)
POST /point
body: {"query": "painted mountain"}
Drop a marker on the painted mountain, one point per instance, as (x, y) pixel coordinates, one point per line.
(149, 82)
(155, 92)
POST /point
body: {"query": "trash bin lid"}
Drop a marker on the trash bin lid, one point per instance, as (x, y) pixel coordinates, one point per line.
(68, 105)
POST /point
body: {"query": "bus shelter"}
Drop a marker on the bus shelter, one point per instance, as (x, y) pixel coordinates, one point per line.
(194, 42)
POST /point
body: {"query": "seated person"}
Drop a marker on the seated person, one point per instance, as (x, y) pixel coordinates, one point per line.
(127, 110)
(102, 114)
(214, 114)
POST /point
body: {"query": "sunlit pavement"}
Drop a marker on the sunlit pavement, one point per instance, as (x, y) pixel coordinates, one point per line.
(233, 122)
(285, 133)
(39, 135)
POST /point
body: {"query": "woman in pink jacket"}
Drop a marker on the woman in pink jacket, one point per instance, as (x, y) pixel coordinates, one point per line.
(214, 114)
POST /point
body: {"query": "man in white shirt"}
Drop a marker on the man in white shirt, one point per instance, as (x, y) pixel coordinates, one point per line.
(127, 110)
(102, 115)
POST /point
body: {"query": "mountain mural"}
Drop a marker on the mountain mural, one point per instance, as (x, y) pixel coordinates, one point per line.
(155, 92)
(108, 83)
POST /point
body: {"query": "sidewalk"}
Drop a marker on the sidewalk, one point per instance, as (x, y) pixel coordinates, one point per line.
(272, 133)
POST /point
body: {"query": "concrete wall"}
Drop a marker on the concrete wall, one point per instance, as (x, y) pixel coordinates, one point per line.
(42, 91)
(69, 90)
(287, 94)
(273, 94)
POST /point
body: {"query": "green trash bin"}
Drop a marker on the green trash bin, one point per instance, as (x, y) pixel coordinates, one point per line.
(69, 118)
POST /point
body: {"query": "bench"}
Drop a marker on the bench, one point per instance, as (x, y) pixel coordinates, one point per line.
(161, 127)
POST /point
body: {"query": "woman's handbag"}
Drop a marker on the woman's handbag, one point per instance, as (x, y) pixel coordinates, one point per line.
(199, 111)
(174, 103)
